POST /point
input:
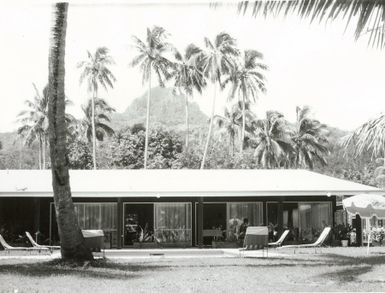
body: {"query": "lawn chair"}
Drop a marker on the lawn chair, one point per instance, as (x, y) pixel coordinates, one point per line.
(256, 237)
(8, 248)
(35, 244)
(280, 240)
(318, 243)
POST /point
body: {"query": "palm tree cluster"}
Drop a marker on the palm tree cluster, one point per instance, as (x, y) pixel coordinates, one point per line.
(93, 126)
(220, 62)
(281, 145)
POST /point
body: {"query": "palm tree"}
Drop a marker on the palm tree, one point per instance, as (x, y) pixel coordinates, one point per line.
(102, 111)
(368, 137)
(273, 141)
(95, 70)
(247, 82)
(368, 15)
(217, 60)
(230, 122)
(188, 77)
(151, 57)
(308, 140)
(71, 238)
(35, 123)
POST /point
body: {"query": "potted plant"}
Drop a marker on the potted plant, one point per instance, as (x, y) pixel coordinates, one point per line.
(342, 233)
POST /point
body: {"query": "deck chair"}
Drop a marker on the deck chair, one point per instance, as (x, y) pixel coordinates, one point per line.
(280, 240)
(256, 237)
(318, 243)
(36, 245)
(8, 248)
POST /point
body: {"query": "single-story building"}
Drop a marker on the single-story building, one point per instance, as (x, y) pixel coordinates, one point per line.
(160, 207)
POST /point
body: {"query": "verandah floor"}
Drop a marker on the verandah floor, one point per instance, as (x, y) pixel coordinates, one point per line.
(335, 269)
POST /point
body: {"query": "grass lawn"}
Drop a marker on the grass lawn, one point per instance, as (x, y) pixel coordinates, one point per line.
(335, 269)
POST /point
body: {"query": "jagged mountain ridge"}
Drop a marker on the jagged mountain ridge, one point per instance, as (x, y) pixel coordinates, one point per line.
(166, 109)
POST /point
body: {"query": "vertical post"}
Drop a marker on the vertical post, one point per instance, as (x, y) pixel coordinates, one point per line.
(120, 232)
(200, 222)
(368, 229)
(280, 216)
(264, 216)
(36, 216)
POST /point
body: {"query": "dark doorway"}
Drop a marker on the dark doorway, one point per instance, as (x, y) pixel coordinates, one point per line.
(214, 222)
(138, 223)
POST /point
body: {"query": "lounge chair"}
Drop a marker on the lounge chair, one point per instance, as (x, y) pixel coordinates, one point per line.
(36, 245)
(280, 240)
(318, 243)
(10, 248)
(256, 238)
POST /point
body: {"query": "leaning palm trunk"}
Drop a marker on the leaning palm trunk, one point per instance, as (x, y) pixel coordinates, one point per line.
(71, 239)
(210, 129)
(147, 120)
(93, 128)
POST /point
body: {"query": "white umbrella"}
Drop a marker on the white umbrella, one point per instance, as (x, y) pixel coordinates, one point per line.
(367, 206)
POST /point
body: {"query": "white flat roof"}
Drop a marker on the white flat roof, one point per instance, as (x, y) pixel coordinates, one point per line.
(152, 183)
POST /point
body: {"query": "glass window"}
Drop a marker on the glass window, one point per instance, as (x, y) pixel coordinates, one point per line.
(173, 223)
(313, 218)
(95, 216)
(237, 212)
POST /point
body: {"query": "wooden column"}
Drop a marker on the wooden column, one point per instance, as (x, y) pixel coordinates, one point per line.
(120, 231)
(200, 222)
(36, 216)
(280, 216)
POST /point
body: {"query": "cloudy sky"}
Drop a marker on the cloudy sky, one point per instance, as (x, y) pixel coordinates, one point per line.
(315, 65)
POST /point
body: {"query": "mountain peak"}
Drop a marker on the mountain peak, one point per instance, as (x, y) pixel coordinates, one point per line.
(166, 108)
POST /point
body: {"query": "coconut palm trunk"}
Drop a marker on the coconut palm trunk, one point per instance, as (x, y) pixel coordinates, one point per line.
(40, 153)
(187, 123)
(243, 123)
(71, 239)
(43, 150)
(93, 128)
(147, 121)
(210, 129)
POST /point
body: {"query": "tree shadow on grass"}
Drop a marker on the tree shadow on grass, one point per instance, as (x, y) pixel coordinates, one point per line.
(355, 266)
(98, 269)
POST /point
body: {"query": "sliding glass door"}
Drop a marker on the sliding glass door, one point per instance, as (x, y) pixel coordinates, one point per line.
(173, 223)
(99, 216)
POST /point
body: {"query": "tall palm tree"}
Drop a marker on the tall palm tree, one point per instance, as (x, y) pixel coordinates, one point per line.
(273, 140)
(152, 57)
(102, 112)
(71, 239)
(217, 60)
(35, 123)
(308, 140)
(95, 70)
(247, 82)
(188, 77)
(368, 15)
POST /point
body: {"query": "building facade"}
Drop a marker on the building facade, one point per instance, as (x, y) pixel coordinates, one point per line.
(176, 208)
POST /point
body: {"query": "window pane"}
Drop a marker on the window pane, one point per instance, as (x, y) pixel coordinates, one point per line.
(237, 212)
(94, 216)
(314, 217)
(173, 222)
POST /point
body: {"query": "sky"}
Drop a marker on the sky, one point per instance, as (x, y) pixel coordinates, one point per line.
(316, 65)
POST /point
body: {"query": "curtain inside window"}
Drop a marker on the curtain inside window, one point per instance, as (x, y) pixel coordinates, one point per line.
(98, 216)
(237, 212)
(173, 222)
(313, 218)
